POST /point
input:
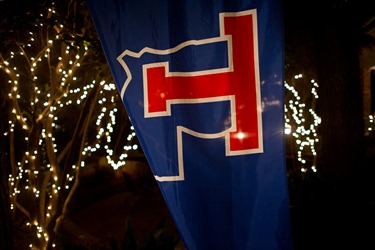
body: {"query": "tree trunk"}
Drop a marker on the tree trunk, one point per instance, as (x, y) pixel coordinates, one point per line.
(341, 108)
(6, 236)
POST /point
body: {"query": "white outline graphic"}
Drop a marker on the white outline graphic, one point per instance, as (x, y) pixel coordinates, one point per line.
(231, 98)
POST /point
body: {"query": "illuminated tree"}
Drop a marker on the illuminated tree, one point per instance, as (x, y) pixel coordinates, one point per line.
(302, 123)
(61, 108)
(328, 43)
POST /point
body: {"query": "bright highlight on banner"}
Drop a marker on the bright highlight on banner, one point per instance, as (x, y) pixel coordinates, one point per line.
(203, 86)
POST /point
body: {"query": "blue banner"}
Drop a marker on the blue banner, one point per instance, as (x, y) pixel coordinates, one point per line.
(202, 82)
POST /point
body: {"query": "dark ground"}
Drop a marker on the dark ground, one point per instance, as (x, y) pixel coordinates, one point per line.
(321, 217)
(108, 203)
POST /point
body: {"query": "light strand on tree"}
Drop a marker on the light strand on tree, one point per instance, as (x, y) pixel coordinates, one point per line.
(37, 173)
(302, 122)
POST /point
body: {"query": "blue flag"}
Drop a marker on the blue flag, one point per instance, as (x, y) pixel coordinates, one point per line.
(202, 82)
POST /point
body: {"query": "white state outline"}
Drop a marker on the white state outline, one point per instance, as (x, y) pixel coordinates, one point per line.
(231, 98)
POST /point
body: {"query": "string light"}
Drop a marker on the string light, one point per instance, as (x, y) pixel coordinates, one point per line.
(37, 170)
(370, 126)
(301, 120)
